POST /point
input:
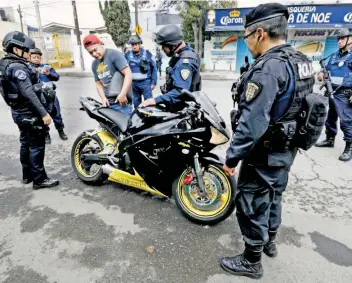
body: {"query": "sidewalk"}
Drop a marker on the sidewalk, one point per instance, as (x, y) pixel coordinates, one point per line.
(207, 75)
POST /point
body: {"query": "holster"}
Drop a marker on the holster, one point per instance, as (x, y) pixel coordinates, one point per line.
(279, 137)
(32, 123)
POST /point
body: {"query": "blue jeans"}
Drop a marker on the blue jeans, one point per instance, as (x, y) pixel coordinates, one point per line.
(127, 110)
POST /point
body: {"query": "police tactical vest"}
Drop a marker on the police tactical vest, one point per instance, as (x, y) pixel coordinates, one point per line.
(339, 67)
(295, 128)
(196, 84)
(303, 122)
(139, 66)
(10, 95)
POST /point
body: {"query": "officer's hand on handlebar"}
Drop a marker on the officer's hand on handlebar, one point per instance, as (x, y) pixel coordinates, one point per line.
(47, 119)
(351, 99)
(148, 102)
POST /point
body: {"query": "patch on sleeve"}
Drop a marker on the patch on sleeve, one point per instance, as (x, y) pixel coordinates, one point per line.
(253, 89)
(185, 74)
(185, 61)
(305, 70)
(20, 75)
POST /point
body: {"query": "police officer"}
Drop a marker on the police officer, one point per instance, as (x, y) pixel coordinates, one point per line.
(28, 111)
(158, 59)
(271, 93)
(183, 71)
(143, 69)
(48, 75)
(340, 106)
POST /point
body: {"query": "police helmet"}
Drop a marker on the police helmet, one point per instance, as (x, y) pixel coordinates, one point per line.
(19, 40)
(169, 35)
(135, 39)
(35, 51)
(344, 32)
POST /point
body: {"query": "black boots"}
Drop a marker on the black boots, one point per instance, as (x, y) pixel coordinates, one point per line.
(246, 264)
(62, 135)
(328, 142)
(347, 153)
(270, 248)
(47, 138)
(48, 183)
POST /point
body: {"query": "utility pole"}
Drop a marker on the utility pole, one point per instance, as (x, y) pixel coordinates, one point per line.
(136, 12)
(20, 13)
(39, 22)
(78, 33)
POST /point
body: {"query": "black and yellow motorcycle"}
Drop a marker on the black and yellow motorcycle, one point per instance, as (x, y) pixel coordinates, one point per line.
(164, 153)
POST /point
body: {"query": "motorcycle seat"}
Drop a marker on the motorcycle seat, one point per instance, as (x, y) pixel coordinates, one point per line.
(118, 118)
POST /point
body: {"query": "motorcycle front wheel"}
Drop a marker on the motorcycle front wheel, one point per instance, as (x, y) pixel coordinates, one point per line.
(211, 207)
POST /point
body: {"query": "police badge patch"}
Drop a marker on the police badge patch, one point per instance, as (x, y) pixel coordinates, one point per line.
(21, 75)
(253, 89)
(185, 74)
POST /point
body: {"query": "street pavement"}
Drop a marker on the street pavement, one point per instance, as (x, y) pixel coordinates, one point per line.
(78, 233)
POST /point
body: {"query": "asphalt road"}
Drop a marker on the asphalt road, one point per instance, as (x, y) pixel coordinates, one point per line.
(77, 233)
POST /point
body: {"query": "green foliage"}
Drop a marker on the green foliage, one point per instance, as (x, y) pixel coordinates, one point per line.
(116, 15)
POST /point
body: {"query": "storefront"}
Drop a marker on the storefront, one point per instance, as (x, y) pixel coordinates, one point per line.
(311, 29)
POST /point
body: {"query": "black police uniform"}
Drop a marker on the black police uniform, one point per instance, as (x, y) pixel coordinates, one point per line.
(17, 87)
(271, 95)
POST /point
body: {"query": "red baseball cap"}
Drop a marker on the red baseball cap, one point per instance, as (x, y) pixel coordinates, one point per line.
(91, 39)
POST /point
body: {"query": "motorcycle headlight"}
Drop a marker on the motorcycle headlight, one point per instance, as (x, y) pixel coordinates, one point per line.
(217, 137)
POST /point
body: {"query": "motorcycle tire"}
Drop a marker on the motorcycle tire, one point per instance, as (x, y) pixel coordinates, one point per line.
(99, 177)
(205, 216)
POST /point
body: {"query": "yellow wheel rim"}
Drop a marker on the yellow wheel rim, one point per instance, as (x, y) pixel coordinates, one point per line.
(218, 191)
(77, 159)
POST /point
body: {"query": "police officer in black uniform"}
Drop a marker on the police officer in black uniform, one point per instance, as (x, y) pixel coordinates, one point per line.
(271, 94)
(183, 71)
(19, 88)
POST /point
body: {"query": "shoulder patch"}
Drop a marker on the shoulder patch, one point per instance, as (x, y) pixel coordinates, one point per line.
(185, 74)
(305, 70)
(20, 75)
(253, 89)
(185, 61)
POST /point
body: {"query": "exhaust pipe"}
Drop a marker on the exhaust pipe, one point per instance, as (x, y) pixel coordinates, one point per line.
(107, 169)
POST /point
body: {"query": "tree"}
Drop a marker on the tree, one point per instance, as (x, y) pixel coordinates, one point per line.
(116, 15)
(193, 14)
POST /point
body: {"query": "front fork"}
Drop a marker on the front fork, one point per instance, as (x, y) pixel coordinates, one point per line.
(199, 175)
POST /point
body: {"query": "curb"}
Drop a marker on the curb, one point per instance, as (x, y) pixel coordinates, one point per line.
(206, 77)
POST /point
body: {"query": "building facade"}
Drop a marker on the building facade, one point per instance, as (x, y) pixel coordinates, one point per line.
(311, 29)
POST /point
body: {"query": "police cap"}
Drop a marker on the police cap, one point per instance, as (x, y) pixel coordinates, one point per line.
(264, 12)
(344, 32)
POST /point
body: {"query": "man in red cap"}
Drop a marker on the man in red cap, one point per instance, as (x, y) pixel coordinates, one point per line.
(107, 62)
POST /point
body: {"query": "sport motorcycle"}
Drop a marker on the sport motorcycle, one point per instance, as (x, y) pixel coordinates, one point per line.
(161, 152)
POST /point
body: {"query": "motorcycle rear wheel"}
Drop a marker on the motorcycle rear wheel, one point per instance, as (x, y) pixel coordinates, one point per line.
(216, 206)
(83, 171)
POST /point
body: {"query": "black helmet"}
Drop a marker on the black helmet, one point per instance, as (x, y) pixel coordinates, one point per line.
(344, 32)
(19, 40)
(169, 35)
(135, 39)
(35, 51)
